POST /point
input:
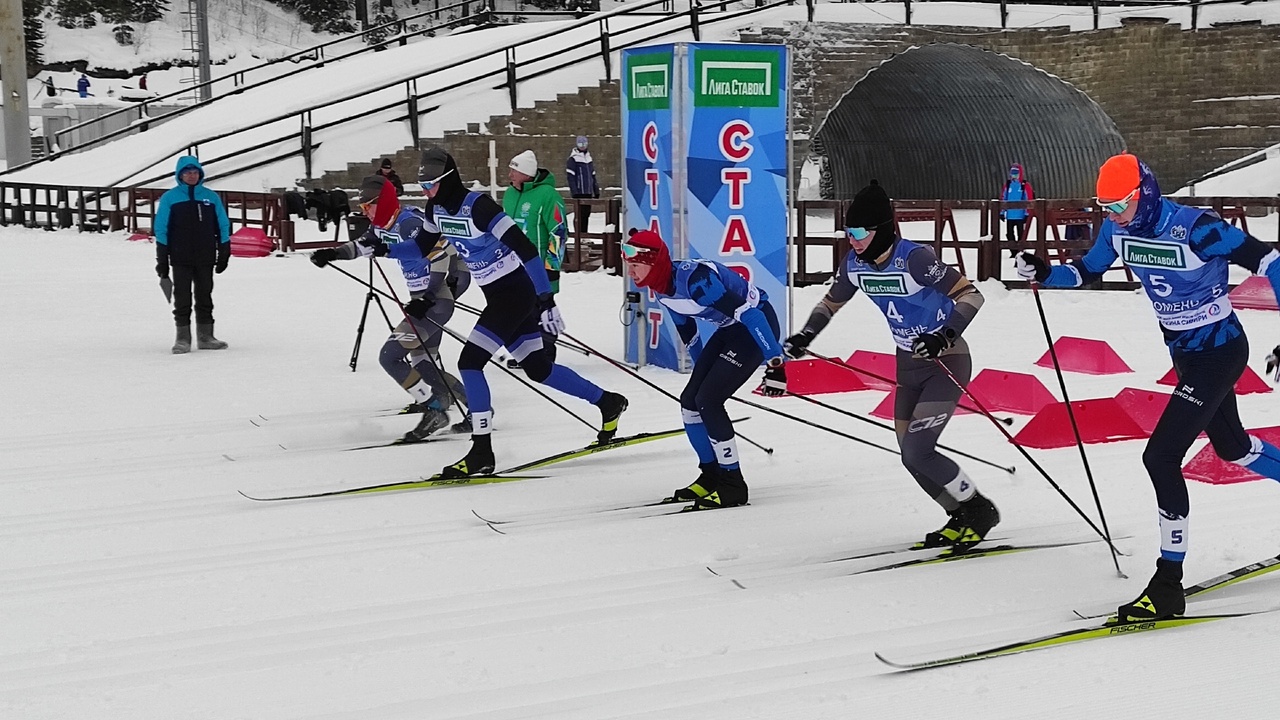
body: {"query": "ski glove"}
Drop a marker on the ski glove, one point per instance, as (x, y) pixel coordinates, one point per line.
(1031, 268)
(323, 257)
(224, 255)
(162, 260)
(929, 346)
(1273, 363)
(775, 381)
(419, 307)
(551, 321)
(797, 345)
(374, 243)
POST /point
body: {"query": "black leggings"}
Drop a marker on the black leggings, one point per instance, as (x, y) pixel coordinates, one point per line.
(509, 319)
(728, 360)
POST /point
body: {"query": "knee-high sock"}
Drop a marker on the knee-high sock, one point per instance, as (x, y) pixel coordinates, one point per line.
(697, 434)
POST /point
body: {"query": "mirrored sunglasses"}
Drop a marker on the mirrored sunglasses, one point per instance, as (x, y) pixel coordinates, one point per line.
(364, 206)
(857, 233)
(428, 184)
(631, 252)
(1119, 206)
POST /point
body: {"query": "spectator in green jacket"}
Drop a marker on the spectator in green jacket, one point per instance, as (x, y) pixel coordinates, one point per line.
(536, 206)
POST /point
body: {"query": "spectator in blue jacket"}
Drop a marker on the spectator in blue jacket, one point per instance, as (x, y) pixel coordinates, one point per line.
(580, 170)
(193, 237)
(82, 85)
(1016, 189)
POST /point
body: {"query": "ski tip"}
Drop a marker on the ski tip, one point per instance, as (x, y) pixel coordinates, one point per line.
(890, 663)
(243, 494)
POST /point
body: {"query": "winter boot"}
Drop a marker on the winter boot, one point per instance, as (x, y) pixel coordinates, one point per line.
(1163, 598)
(182, 345)
(611, 405)
(979, 515)
(205, 339)
(478, 461)
(700, 488)
(731, 491)
(432, 420)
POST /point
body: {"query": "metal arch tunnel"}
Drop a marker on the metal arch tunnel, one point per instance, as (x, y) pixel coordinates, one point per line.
(946, 121)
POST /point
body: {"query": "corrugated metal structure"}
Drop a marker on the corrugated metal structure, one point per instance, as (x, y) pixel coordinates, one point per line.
(946, 121)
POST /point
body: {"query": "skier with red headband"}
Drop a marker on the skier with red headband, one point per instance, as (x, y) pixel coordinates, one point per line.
(748, 336)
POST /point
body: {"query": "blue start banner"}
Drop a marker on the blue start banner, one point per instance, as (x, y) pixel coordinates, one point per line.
(719, 182)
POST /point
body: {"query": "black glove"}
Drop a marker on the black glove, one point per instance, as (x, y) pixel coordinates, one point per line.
(419, 306)
(797, 345)
(1031, 267)
(1273, 363)
(375, 243)
(775, 380)
(323, 257)
(931, 345)
(224, 255)
(162, 260)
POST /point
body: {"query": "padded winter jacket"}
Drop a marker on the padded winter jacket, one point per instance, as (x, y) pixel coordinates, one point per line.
(191, 222)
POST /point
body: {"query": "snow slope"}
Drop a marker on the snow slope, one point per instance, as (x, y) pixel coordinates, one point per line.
(136, 583)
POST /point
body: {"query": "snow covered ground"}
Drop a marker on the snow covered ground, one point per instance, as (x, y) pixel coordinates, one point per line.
(136, 583)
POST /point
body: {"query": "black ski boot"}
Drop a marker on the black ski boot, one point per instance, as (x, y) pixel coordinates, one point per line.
(979, 515)
(432, 420)
(1163, 598)
(182, 344)
(946, 536)
(205, 339)
(700, 488)
(479, 460)
(731, 491)
(611, 405)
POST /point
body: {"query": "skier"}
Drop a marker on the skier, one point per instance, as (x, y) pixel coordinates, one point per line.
(411, 355)
(747, 337)
(928, 305)
(518, 300)
(1180, 255)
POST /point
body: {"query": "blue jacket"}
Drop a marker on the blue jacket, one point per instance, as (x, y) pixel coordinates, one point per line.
(580, 171)
(191, 221)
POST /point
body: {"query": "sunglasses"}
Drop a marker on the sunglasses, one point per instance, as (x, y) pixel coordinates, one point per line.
(1120, 206)
(364, 206)
(631, 252)
(857, 233)
(428, 184)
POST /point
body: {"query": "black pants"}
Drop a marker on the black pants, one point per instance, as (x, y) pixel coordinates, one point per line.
(185, 278)
(581, 214)
(728, 361)
(925, 401)
(1204, 400)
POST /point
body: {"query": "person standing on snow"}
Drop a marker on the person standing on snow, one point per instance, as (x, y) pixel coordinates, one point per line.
(747, 337)
(82, 85)
(388, 171)
(928, 306)
(580, 172)
(535, 205)
(193, 236)
(1016, 189)
(1180, 255)
(411, 355)
(518, 300)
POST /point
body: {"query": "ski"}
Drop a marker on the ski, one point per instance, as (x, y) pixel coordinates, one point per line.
(1057, 639)
(419, 484)
(398, 442)
(1231, 577)
(595, 447)
(953, 555)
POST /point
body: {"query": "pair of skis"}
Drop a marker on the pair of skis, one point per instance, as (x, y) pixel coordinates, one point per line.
(1102, 625)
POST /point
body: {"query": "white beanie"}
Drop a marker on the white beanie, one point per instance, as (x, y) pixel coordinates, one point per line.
(526, 163)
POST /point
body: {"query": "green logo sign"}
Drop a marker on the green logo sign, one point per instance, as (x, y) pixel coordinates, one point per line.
(649, 81)
(1152, 254)
(882, 284)
(736, 78)
(455, 228)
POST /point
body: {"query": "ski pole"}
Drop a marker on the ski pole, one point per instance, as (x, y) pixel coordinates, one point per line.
(812, 424)
(463, 340)
(1071, 415)
(840, 363)
(887, 426)
(1034, 464)
(559, 341)
(641, 378)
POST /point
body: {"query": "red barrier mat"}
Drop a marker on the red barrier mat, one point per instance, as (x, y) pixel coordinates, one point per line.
(1248, 383)
(1207, 467)
(1144, 406)
(1100, 420)
(1255, 293)
(1091, 357)
(883, 364)
(884, 410)
(1003, 390)
(251, 242)
(816, 377)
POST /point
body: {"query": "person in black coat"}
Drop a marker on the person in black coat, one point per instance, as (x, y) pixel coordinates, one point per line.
(387, 171)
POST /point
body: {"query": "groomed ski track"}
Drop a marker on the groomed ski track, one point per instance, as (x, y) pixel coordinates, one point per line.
(136, 583)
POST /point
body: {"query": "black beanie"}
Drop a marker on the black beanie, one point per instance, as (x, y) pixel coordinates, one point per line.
(371, 188)
(870, 208)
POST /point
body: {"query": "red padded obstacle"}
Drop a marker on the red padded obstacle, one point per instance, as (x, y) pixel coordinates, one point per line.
(816, 377)
(1144, 406)
(1101, 420)
(139, 237)
(1255, 293)
(884, 410)
(251, 242)
(883, 364)
(1207, 467)
(1248, 383)
(1002, 390)
(1091, 357)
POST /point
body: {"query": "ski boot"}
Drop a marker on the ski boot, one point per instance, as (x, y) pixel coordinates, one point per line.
(205, 339)
(432, 420)
(1163, 597)
(611, 405)
(182, 345)
(945, 536)
(479, 460)
(700, 488)
(462, 426)
(731, 491)
(979, 515)
(413, 408)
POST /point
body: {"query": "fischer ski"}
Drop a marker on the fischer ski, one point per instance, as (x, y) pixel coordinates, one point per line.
(952, 554)
(595, 447)
(1226, 579)
(403, 441)
(420, 484)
